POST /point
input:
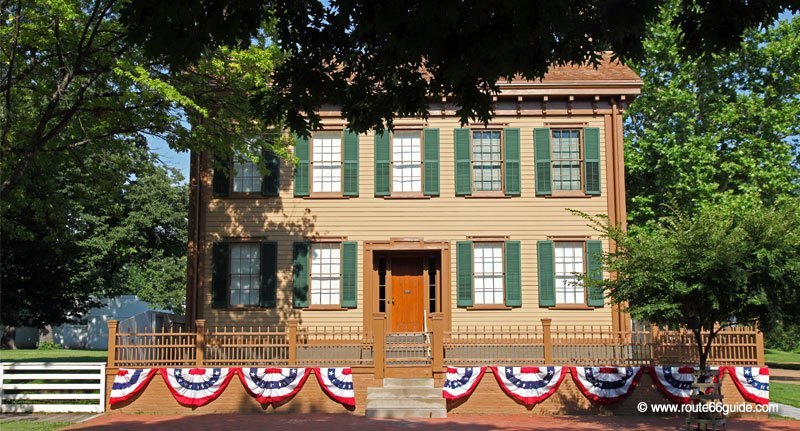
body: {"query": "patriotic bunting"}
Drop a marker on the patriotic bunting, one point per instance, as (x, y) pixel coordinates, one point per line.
(196, 386)
(338, 384)
(529, 385)
(128, 383)
(752, 382)
(460, 382)
(676, 382)
(606, 385)
(273, 385)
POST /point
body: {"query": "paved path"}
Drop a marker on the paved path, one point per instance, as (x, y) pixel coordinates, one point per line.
(7, 419)
(788, 411)
(316, 422)
(784, 376)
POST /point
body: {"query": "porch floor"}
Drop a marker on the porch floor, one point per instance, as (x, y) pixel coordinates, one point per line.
(315, 422)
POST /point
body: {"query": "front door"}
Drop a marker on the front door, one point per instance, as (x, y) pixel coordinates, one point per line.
(408, 294)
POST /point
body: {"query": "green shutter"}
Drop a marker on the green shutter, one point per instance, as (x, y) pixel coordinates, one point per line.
(594, 271)
(302, 171)
(350, 174)
(219, 275)
(383, 175)
(300, 274)
(541, 139)
(591, 156)
(464, 271)
(463, 162)
(221, 182)
(271, 183)
(512, 165)
(349, 274)
(513, 271)
(268, 296)
(431, 162)
(547, 273)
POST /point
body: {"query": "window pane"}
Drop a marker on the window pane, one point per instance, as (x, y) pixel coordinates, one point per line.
(406, 162)
(486, 161)
(245, 274)
(327, 162)
(325, 273)
(246, 177)
(569, 270)
(566, 159)
(488, 268)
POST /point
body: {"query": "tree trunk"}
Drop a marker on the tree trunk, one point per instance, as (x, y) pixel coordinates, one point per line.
(9, 337)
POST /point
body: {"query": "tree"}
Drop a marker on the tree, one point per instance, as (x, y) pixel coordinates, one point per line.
(72, 78)
(382, 59)
(736, 263)
(708, 128)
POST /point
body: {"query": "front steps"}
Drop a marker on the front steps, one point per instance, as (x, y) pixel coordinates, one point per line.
(406, 398)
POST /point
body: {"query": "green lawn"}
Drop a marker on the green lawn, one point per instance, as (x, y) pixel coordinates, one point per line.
(61, 355)
(33, 425)
(775, 358)
(784, 393)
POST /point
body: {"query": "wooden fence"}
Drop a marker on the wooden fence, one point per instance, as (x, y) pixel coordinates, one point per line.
(461, 346)
(52, 387)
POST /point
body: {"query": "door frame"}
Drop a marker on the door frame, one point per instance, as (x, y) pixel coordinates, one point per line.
(401, 245)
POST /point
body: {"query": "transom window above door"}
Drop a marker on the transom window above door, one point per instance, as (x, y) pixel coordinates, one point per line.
(407, 162)
(326, 162)
(487, 161)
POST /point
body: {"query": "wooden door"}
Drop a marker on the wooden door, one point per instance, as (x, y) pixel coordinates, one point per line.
(408, 294)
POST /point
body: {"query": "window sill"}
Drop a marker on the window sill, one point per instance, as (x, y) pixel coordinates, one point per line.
(488, 195)
(323, 197)
(571, 307)
(488, 307)
(401, 197)
(576, 194)
(246, 308)
(325, 308)
(241, 196)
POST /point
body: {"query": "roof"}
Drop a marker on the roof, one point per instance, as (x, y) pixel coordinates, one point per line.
(607, 70)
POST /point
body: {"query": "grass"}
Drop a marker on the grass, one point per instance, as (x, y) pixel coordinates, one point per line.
(60, 355)
(781, 357)
(24, 425)
(784, 393)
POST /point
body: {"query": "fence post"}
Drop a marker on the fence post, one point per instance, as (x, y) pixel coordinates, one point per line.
(200, 342)
(113, 326)
(379, 344)
(759, 347)
(655, 351)
(292, 336)
(437, 338)
(547, 341)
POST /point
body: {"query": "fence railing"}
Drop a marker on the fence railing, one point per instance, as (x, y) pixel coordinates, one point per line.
(52, 387)
(535, 344)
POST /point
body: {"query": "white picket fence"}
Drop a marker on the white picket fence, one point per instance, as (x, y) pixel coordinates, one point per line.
(52, 387)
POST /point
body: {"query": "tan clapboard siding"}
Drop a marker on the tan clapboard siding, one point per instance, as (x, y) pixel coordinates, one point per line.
(449, 218)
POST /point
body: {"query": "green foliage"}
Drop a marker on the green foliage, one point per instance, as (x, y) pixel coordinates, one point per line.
(47, 345)
(705, 129)
(783, 337)
(732, 263)
(784, 393)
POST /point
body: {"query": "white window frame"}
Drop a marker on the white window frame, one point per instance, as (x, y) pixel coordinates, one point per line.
(318, 160)
(564, 164)
(495, 274)
(325, 274)
(410, 163)
(245, 174)
(569, 286)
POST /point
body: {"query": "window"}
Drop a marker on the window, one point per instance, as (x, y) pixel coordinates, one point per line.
(245, 274)
(486, 161)
(326, 162)
(325, 273)
(247, 177)
(488, 273)
(566, 159)
(407, 162)
(569, 271)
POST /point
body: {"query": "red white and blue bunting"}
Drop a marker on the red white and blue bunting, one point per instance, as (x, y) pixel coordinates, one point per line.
(197, 386)
(606, 385)
(338, 384)
(529, 385)
(460, 382)
(273, 385)
(752, 382)
(676, 382)
(129, 382)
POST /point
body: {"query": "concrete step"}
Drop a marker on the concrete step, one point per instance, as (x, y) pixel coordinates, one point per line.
(404, 393)
(406, 403)
(408, 383)
(397, 413)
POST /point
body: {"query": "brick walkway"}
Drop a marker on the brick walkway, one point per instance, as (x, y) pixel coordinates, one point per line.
(317, 422)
